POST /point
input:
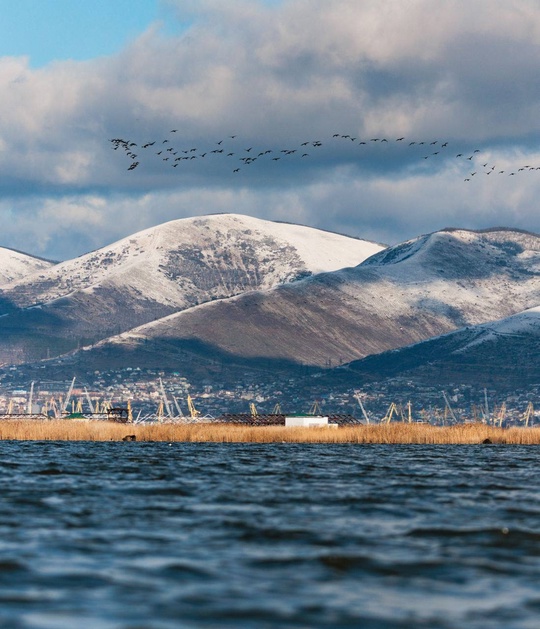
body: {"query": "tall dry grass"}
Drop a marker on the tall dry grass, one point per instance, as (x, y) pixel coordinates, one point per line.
(66, 430)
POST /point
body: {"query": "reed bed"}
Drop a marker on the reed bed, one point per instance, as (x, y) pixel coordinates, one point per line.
(68, 430)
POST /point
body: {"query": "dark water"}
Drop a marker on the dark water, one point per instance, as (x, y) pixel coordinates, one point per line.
(135, 535)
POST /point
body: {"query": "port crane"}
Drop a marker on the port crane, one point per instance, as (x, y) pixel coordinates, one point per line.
(68, 396)
(53, 406)
(393, 409)
(389, 413)
(193, 412)
(165, 400)
(178, 409)
(529, 414)
(89, 400)
(359, 400)
(409, 412)
(501, 415)
(449, 408)
(30, 399)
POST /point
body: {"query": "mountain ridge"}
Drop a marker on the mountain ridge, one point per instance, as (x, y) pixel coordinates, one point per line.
(501, 354)
(423, 288)
(159, 271)
(15, 265)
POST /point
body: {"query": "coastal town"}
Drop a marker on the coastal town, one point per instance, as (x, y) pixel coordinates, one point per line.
(165, 396)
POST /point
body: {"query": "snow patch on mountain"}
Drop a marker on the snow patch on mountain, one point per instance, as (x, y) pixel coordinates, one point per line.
(431, 286)
(522, 324)
(188, 261)
(15, 265)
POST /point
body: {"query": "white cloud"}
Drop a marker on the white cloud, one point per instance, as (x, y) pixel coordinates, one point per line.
(276, 76)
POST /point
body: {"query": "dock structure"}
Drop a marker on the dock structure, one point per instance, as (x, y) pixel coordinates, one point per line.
(272, 419)
(20, 416)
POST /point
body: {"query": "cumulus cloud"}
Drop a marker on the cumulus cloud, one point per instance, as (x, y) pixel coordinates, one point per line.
(277, 75)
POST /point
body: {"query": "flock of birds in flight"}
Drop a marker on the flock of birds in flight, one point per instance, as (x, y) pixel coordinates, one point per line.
(229, 147)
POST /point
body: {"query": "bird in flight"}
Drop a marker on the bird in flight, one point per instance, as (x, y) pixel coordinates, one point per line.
(294, 152)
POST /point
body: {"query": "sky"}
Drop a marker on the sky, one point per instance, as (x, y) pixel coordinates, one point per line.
(381, 120)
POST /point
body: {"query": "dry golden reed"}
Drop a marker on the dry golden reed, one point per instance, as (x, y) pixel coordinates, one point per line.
(66, 430)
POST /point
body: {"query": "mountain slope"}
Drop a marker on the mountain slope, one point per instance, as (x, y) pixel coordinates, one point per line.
(419, 289)
(501, 354)
(160, 271)
(15, 265)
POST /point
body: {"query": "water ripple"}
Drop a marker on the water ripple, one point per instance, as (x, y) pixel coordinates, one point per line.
(147, 535)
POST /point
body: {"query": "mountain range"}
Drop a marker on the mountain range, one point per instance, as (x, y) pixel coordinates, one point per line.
(157, 272)
(228, 292)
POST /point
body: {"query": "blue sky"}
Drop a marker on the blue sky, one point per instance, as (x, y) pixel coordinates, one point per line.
(49, 30)
(276, 74)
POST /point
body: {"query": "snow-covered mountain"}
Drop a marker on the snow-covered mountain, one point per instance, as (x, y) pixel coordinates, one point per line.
(502, 354)
(189, 261)
(15, 265)
(160, 271)
(416, 290)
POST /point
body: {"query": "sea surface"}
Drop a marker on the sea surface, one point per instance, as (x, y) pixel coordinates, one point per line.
(158, 535)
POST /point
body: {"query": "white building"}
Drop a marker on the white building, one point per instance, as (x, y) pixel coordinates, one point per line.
(306, 421)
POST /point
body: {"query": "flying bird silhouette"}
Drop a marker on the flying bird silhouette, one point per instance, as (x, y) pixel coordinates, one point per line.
(291, 153)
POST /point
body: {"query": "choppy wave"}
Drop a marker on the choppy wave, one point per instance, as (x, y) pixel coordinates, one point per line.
(152, 535)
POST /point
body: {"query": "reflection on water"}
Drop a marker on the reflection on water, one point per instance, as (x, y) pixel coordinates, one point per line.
(152, 535)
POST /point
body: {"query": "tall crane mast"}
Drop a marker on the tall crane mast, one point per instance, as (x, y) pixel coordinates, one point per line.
(451, 412)
(30, 398)
(529, 413)
(358, 399)
(159, 412)
(165, 400)
(68, 396)
(388, 417)
(501, 414)
(178, 409)
(194, 413)
(89, 400)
